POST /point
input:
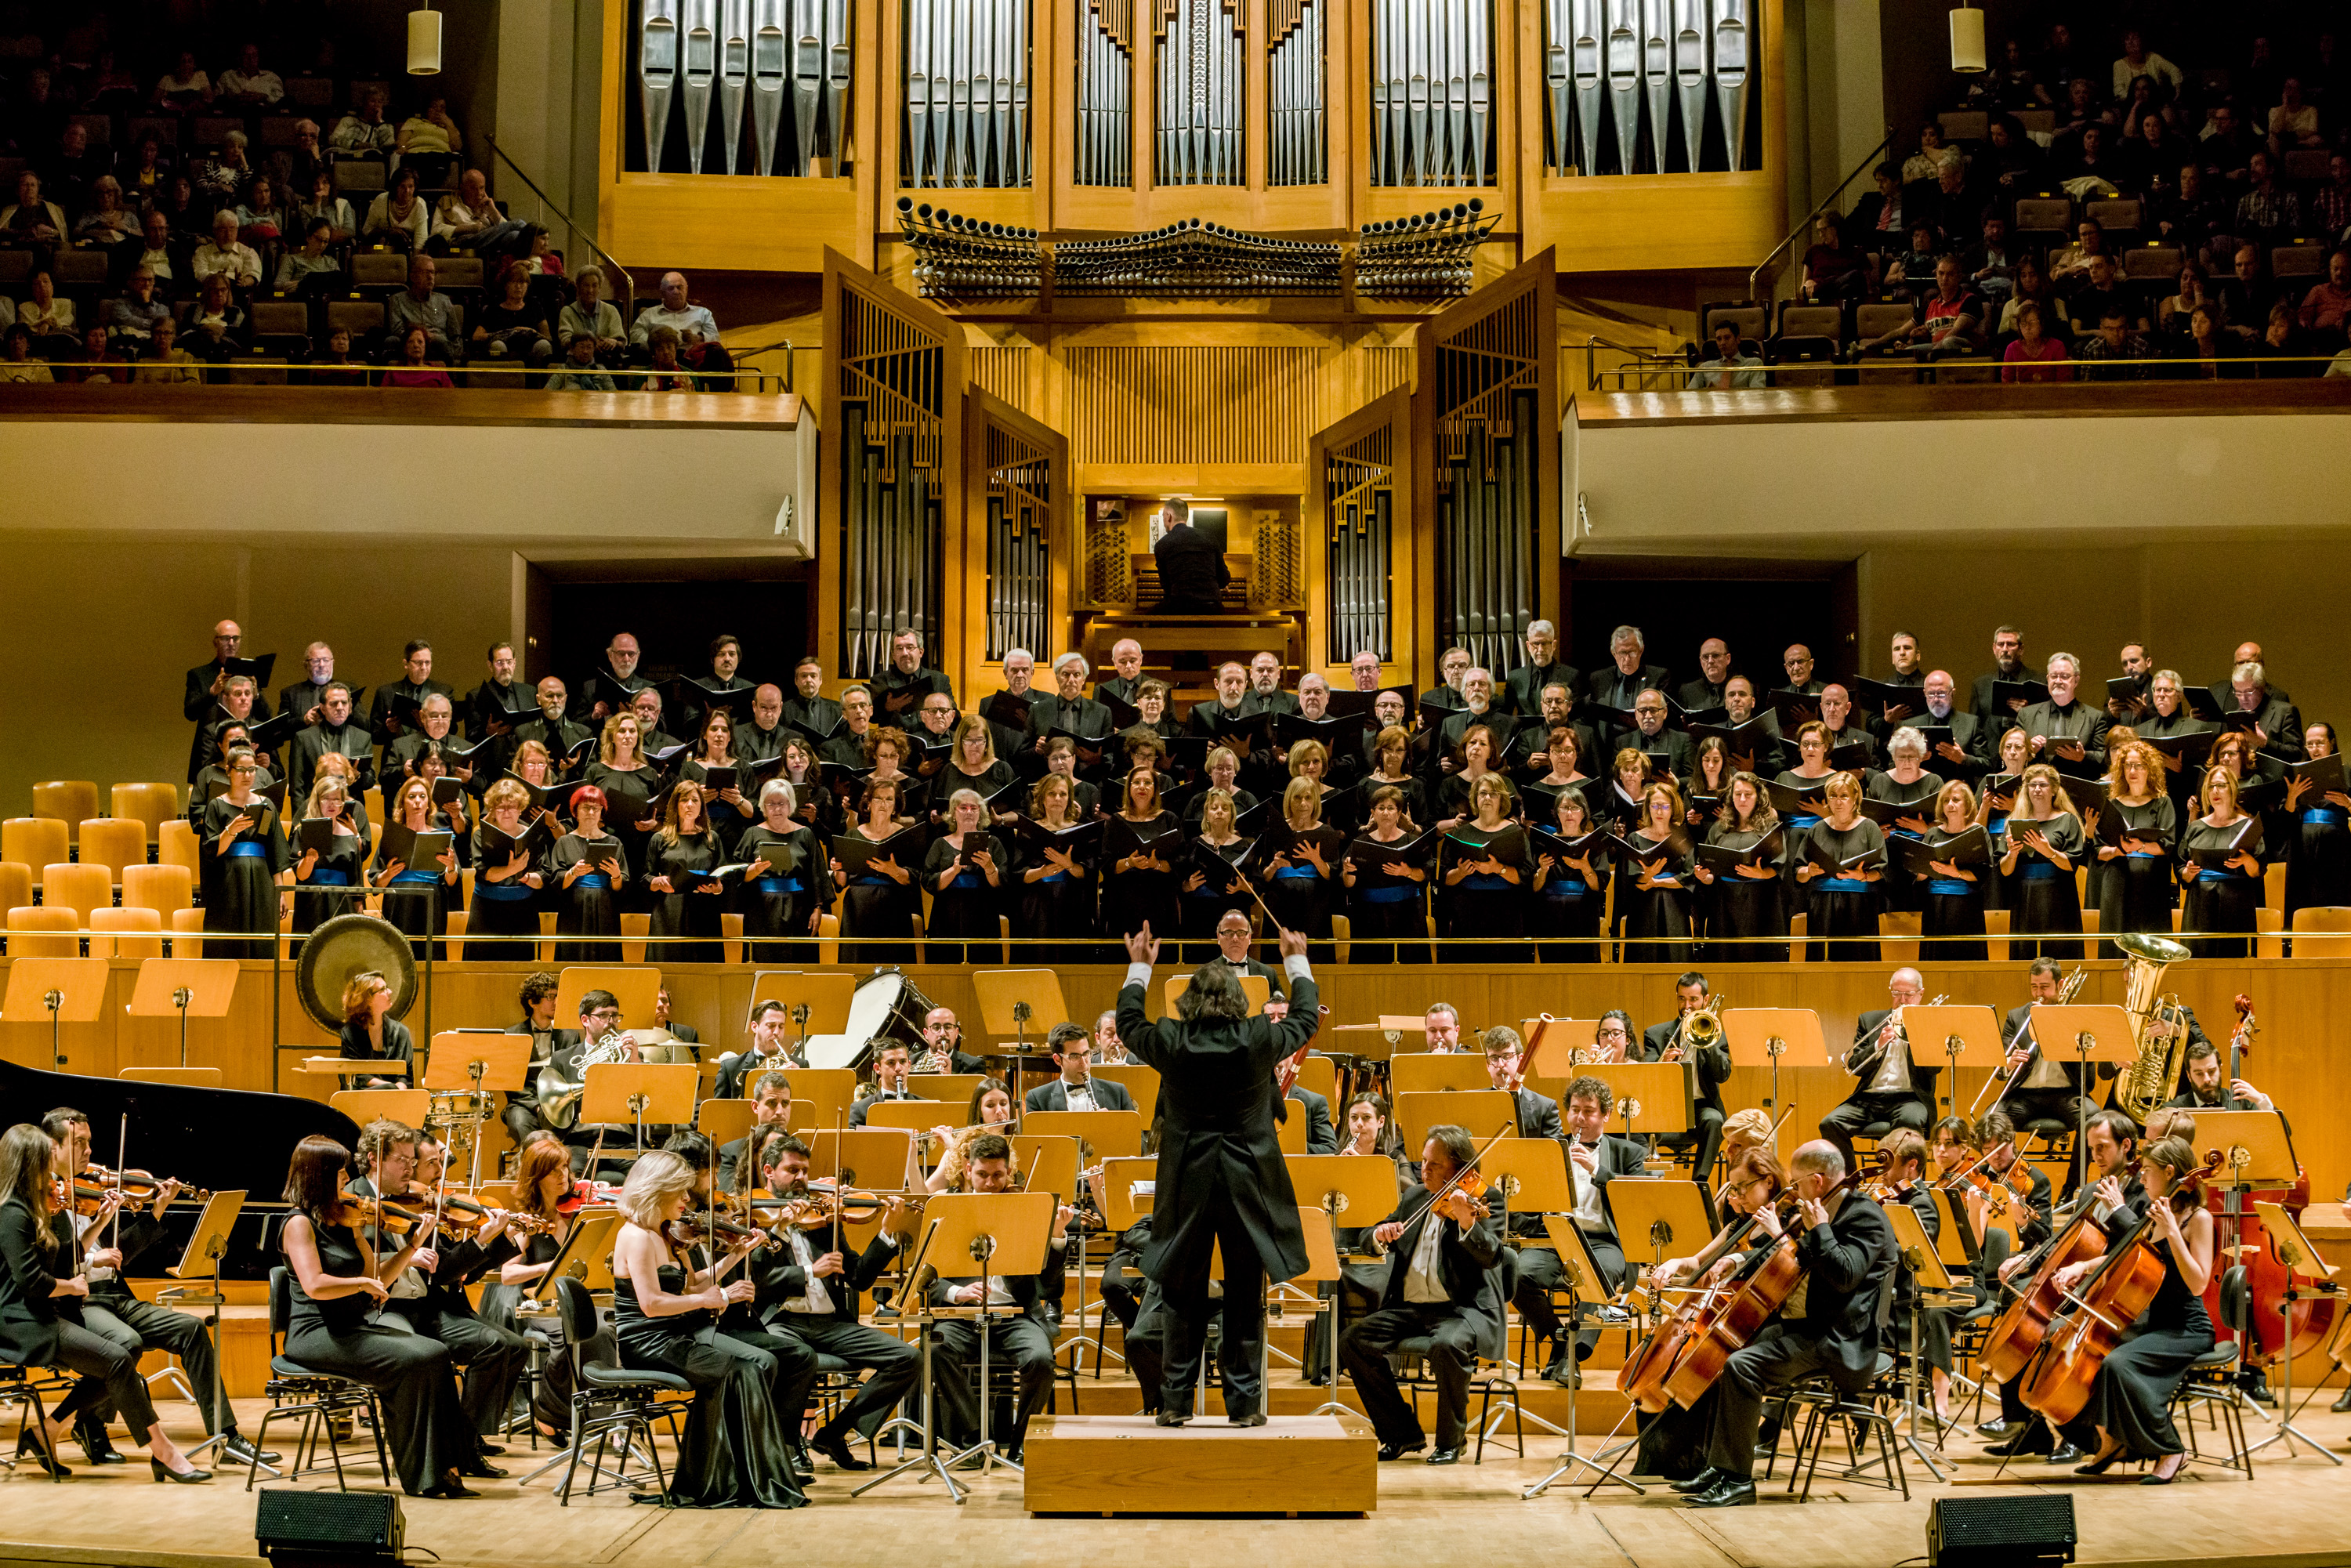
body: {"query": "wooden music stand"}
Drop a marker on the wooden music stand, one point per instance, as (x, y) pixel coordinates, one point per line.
(831, 1090)
(916, 1116)
(1551, 1041)
(1142, 1085)
(1759, 1037)
(192, 987)
(1669, 1218)
(999, 1233)
(817, 1001)
(639, 1091)
(1585, 1281)
(1532, 1176)
(1483, 1111)
(637, 987)
(1122, 1206)
(365, 1106)
(862, 1153)
(723, 1121)
(1651, 1097)
(2307, 1274)
(1255, 988)
(1935, 1291)
(1047, 1165)
(948, 1088)
(476, 1064)
(2091, 1033)
(69, 991)
(1421, 1072)
(586, 1255)
(1112, 1134)
(1290, 1135)
(199, 1265)
(356, 1067)
(1967, 1037)
(1014, 1001)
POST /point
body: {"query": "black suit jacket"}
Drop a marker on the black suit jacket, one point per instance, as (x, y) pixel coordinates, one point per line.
(1192, 570)
(1848, 1262)
(1467, 1261)
(1922, 1075)
(1054, 1095)
(730, 1077)
(1713, 1061)
(1321, 1137)
(1538, 1114)
(1973, 738)
(1217, 1147)
(1521, 689)
(1611, 686)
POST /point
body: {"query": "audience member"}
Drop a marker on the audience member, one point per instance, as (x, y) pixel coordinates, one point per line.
(421, 305)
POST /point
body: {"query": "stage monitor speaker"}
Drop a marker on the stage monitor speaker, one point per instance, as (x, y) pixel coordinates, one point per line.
(323, 1527)
(2000, 1531)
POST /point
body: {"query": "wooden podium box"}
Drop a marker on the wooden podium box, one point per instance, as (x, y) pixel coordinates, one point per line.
(1109, 1464)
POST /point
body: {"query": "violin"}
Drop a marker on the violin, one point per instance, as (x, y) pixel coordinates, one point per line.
(83, 1198)
(353, 1211)
(585, 1194)
(689, 1228)
(143, 1186)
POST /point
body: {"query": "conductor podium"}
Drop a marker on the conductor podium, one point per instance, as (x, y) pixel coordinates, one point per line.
(1292, 1465)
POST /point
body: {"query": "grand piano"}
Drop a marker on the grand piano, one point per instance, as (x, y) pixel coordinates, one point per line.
(226, 1140)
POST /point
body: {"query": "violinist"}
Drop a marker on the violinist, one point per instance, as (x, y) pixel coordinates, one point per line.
(2028, 1208)
(736, 1450)
(428, 1297)
(126, 1225)
(1902, 1161)
(1887, 1086)
(1829, 1324)
(542, 1180)
(1362, 1273)
(1710, 1070)
(340, 1282)
(808, 1290)
(1440, 1289)
(2129, 1416)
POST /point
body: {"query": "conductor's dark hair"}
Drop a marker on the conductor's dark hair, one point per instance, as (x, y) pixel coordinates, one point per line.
(414, 646)
(1214, 993)
(1456, 1143)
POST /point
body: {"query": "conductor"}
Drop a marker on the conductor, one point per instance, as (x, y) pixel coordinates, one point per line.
(1221, 1181)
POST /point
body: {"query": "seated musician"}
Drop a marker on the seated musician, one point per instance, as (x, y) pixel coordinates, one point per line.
(1109, 1049)
(111, 1311)
(2203, 1091)
(1076, 1089)
(1828, 1324)
(1020, 1341)
(2051, 1089)
(1712, 1069)
(808, 1290)
(1441, 1296)
(428, 1298)
(522, 1114)
(2111, 1145)
(2128, 1412)
(770, 1051)
(771, 1109)
(893, 1059)
(1595, 1157)
(1887, 1086)
(1440, 1029)
(564, 1081)
(943, 1049)
(1901, 1172)
(989, 1111)
(1233, 946)
(1321, 1132)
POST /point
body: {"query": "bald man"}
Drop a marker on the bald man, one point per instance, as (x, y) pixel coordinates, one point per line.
(207, 682)
(1126, 659)
(2223, 690)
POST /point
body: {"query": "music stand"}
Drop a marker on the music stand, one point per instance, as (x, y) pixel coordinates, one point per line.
(2302, 1266)
(1336, 1184)
(2093, 1033)
(477, 1063)
(1012, 1000)
(1141, 1086)
(612, 1092)
(637, 987)
(1581, 1273)
(1651, 1097)
(1480, 1111)
(1456, 1074)
(1932, 1283)
(71, 990)
(355, 1067)
(817, 1001)
(916, 1116)
(1122, 1204)
(199, 987)
(863, 1151)
(1531, 1174)
(926, 1460)
(1969, 1037)
(586, 1256)
(723, 1121)
(1006, 1233)
(948, 1088)
(1551, 1041)
(1110, 1133)
(1759, 1037)
(200, 1265)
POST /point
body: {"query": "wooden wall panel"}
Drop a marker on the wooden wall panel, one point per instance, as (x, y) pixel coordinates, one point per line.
(1192, 406)
(1002, 371)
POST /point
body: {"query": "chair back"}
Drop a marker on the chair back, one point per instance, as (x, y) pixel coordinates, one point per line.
(577, 1309)
(281, 1305)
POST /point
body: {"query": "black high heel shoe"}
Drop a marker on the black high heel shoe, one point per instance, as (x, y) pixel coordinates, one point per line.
(186, 1478)
(2102, 1464)
(30, 1445)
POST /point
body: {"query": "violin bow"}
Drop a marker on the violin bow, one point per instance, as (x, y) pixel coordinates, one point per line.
(121, 1163)
(836, 1177)
(1453, 1182)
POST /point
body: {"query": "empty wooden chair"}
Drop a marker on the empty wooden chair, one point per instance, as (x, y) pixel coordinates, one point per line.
(115, 843)
(36, 840)
(68, 801)
(152, 804)
(81, 890)
(146, 946)
(162, 888)
(28, 933)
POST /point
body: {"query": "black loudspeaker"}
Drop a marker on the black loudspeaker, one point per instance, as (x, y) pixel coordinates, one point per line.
(317, 1527)
(2000, 1531)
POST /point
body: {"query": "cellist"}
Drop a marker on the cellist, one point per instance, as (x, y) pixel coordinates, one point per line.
(2128, 1415)
(1829, 1324)
(2113, 1142)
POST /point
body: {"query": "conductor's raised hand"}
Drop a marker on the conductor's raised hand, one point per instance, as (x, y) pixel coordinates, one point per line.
(1142, 946)
(1293, 943)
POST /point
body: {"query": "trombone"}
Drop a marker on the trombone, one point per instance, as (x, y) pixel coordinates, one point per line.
(2065, 994)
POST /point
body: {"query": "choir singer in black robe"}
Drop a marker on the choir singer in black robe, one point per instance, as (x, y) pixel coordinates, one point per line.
(1221, 1179)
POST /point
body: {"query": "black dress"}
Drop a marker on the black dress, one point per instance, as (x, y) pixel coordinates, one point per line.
(1416, 798)
(1954, 907)
(587, 907)
(2220, 898)
(1387, 916)
(1845, 907)
(2047, 897)
(240, 885)
(1222, 887)
(683, 912)
(332, 887)
(508, 907)
(874, 904)
(1056, 905)
(733, 1452)
(2317, 858)
(633, 789)
(729, 822)
(418, 900)
(1899, 889)
(2131, 1397)
(1485, 903)
(1301, 897)
(424, 1424)
(967, 906)
(1130, 898)
(1655, 924)
(777, 905)
(2135, 892)
(1745, 906)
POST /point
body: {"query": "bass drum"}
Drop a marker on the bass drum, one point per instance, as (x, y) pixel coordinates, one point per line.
(352, 944)
(886, 1006)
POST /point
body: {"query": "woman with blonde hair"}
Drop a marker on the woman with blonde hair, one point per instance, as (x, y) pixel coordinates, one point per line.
(735, 1451)
(881, 897)
(964, 871)
(989, 1110)
(325, 880)
(416, 898)
(1055, 866)
(1297, 874)
(628, 780)
(1484, 872)
(1140, 846)
(1652, 890)
(2043, 844)
(1954, 896)
(1843, 896)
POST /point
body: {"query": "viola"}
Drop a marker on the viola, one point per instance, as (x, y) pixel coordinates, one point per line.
(142, 1185)
(585, 1194)
(2057, 1383)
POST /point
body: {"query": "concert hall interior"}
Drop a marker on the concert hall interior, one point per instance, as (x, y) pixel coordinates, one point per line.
(1084, 762)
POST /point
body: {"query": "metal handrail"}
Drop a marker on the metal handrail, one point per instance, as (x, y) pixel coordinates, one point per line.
(1877, 155)
(569, 222)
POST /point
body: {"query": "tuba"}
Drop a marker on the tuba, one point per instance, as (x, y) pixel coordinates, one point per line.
(2155, 1068)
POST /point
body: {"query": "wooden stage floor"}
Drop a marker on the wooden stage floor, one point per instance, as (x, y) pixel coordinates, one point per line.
(2292, 1512)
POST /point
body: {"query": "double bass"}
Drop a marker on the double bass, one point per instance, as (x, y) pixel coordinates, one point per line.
(2099, 1312)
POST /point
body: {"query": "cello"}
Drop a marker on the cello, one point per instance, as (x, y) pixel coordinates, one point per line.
(2097, 1314)
(2018, 1333)
(1761, 1287)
